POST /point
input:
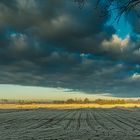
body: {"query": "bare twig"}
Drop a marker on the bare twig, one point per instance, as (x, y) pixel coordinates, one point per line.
(122, 7)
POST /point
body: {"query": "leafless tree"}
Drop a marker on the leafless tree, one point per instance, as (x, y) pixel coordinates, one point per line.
(81, 3)
(123, 6)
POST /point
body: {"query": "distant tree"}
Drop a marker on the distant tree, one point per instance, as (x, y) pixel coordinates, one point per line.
(86, 100)
(21, 102)
(70, 100)
(4, 101)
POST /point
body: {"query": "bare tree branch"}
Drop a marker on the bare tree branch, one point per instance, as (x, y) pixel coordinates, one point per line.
(120, 5)
(81, 3)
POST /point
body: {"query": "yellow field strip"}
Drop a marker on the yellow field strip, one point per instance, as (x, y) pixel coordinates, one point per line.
(65, 106)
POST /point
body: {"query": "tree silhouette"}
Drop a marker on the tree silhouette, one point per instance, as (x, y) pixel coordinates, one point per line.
(123, 6)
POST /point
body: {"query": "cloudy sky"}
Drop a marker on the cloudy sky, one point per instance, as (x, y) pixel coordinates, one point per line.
(55, 46)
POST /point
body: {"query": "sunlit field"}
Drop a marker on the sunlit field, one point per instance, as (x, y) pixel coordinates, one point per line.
(66, 106)
(70, 124)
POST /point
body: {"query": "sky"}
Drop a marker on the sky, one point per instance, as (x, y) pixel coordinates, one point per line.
(43, 93)
(52, 49)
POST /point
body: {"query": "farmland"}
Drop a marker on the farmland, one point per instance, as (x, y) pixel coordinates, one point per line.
(70, 124)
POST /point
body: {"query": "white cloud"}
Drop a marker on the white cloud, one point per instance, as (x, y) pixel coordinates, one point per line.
(116, 43)
(135, 76)
(61, 21)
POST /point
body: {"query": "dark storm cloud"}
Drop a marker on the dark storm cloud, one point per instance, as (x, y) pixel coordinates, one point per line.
(53, 43)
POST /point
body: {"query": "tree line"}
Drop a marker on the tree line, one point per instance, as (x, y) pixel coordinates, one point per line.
(72, 101)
